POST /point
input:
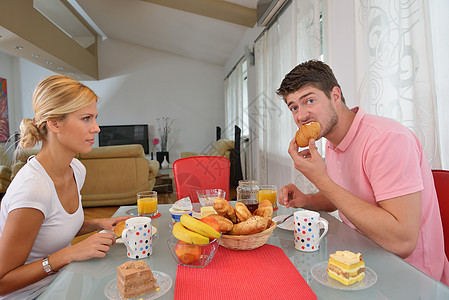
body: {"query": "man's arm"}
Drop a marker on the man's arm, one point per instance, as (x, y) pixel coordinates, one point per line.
(394, 224)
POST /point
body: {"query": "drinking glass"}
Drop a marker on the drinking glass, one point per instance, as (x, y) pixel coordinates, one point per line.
(269, 192)
(147, 204)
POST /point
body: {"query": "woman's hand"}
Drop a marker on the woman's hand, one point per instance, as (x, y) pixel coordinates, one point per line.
(109, 224)
(96, 245)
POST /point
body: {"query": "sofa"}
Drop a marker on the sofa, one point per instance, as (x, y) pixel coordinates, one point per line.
(114, 174)
(221, 147)
(5, 171)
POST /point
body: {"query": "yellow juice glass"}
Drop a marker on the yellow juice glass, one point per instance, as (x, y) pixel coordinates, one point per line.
(147, 203)
(269, 192)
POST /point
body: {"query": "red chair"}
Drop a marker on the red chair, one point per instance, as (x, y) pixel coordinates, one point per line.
(201, 172)
(441, 179)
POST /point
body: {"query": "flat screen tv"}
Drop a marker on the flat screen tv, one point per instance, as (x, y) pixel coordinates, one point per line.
(124, 135)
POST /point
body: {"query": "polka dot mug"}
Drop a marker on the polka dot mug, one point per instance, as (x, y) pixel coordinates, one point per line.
(137, 237)
(307, 230)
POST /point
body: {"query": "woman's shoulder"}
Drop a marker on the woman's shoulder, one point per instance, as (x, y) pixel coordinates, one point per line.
(30, 188)
(32, 173)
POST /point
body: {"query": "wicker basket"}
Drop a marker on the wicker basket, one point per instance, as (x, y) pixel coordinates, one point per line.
(247, 242)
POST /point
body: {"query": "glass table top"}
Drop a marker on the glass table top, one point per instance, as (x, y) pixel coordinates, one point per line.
(396, 279)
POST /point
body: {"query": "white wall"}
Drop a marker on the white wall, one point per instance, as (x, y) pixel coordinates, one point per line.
(139, 85)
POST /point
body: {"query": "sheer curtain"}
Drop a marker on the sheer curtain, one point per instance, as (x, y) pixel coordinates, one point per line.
(236, 100)
(396, 68)
(294, 38)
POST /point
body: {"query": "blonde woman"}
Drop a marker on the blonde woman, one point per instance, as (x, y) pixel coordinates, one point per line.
(41, 211)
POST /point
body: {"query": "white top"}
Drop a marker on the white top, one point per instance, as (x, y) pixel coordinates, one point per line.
(32, 187)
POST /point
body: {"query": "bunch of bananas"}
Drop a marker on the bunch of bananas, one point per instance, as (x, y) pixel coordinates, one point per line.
(193, 231)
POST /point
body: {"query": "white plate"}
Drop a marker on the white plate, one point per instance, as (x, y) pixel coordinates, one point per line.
(164, 282)
(319, 273)
(287, 225)
(119, 240)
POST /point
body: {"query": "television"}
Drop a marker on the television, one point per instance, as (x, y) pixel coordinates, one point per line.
(110, 135)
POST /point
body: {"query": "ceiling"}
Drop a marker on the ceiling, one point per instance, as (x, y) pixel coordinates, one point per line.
(171, 28)
(207, 30)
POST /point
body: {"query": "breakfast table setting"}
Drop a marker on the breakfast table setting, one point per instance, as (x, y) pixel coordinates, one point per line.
(279, 267)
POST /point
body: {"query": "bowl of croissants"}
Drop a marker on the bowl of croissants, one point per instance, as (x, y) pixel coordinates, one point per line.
(241, 229)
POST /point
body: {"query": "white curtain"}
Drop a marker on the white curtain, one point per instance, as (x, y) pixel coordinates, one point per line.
(439, 24)
(294, 38)
(235, 100)
(395, 68)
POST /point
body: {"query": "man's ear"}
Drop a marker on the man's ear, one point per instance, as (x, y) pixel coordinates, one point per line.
(335, 93)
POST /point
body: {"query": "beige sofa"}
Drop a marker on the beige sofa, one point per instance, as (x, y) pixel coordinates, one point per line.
(5, 170)
(114, 174)
(225, 148)
(221, 147)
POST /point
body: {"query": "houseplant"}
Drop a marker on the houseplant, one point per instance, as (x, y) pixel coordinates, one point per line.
(165, 125)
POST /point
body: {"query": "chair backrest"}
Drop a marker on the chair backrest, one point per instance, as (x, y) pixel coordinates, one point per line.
(441, 179)
(201, 172)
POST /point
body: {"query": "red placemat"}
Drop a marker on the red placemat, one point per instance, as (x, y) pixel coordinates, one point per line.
(262, 273)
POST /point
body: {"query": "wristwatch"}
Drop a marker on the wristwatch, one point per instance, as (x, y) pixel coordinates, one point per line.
(47, 267)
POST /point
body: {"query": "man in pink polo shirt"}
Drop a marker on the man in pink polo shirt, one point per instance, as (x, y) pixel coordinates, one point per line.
(375, 173)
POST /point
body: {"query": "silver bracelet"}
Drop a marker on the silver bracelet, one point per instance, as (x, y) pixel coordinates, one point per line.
(47, 268)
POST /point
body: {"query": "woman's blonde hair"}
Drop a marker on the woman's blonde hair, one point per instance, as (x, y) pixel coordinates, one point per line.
(53, 99)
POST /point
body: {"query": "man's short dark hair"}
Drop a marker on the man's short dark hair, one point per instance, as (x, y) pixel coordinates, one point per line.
(310, 73)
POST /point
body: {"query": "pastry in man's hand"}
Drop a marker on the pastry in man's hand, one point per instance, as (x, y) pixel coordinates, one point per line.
(307, 132)
(265, 210)
(119, 228)
(253, 225)
(242, 212)
(223, 208)
(224, 224)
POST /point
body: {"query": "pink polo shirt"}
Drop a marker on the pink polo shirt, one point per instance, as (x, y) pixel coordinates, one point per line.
(379, 159)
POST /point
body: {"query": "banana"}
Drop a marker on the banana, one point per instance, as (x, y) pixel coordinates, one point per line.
(187, 236)
(199, 227)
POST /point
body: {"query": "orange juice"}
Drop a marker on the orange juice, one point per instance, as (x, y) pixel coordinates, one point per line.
(147, 206)
(270, 195)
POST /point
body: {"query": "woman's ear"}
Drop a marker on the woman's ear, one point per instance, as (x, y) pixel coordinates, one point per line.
(53, 126)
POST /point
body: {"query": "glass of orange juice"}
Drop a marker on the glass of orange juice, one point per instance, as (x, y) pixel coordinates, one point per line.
(147, 204)
(269, 192)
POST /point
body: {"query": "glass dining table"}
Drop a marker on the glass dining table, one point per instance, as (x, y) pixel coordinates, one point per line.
(396, 279)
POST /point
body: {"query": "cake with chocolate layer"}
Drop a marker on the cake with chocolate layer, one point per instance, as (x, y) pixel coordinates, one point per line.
(134, 278)
(346, 267)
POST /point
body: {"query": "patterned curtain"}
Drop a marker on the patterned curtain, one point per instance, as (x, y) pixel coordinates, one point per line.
(395, 67)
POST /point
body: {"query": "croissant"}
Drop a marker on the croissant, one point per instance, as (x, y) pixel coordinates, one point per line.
(224, 223)
(253, 225)
(306, 132)
(242, 212)
(265, 211)
(223, 208)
